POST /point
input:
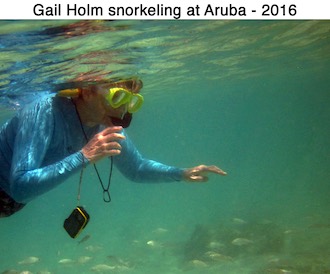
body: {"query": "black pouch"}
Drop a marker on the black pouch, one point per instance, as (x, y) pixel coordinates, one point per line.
(76, 222)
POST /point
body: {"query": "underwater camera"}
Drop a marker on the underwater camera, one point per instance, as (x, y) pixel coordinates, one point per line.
(76, 222)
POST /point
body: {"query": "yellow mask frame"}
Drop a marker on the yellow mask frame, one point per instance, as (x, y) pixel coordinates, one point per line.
(116, 97)
(120, 96)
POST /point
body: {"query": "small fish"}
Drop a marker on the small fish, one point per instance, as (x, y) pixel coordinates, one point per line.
(285, 271)
(84, 259)
(198, 263)
(66, 261)
(93, 248)
(84, 239)
(29, 260)
(238, 221)
(215, 245)
(102, 268)
(153, 243)
(241, 241)
(218, 257)
(160, 230)
(278, 271)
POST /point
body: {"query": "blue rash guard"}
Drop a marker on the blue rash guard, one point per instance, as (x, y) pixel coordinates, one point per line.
(41, 147)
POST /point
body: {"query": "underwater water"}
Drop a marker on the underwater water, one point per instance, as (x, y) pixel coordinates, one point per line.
(249, 96)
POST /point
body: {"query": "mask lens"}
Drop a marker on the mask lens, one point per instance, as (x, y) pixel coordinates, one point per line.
(117, 97)
(135, 103)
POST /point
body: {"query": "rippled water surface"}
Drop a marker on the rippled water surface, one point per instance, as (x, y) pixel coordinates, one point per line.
(249, 96)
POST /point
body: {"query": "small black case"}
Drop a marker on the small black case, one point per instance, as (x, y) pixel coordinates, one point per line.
(76, 222)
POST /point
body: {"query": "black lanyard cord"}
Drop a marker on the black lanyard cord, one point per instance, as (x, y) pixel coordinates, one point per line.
(80, 182)
(106, 189)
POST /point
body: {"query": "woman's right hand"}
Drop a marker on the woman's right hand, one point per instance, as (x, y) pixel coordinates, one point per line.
(104, 144)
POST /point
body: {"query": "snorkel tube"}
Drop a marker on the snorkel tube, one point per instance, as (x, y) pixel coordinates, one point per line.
(71, 92)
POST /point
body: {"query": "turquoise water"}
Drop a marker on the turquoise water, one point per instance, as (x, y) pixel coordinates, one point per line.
(249, 96)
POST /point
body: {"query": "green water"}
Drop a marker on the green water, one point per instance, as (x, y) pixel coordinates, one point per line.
(250, 97)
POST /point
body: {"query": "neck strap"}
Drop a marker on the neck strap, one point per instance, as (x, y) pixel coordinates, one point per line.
(106, 189)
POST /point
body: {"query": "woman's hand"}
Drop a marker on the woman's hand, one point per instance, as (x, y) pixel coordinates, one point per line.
(103, 144)
(199, 173)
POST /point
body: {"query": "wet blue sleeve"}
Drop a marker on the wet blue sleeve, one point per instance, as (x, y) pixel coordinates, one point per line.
(139, 169)
(28, 178)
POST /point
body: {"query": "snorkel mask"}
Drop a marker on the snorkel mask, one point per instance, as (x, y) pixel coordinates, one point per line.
(115, 97)
(120, 96)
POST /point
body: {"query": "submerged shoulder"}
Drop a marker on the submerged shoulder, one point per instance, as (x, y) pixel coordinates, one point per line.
(45, 101)
(39, 109)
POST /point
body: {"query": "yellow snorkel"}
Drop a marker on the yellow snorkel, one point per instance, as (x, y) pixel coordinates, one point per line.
(71, 92)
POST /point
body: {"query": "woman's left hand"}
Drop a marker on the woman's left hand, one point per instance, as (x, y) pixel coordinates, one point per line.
(199, 173)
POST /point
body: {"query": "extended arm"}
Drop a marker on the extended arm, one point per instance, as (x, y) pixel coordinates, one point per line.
(112, 141)
(139, 169)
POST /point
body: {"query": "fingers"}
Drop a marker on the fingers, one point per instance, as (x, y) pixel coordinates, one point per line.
(108, 140)
(112, 137)
(111, 147)
(213, 169)
(199, 173)
(105, 143)
(109, 135)
(199, 178)
(109, 131)
(113, 129)
(216, 170)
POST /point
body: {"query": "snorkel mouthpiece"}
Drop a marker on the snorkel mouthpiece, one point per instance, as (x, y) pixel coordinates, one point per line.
(125, 122)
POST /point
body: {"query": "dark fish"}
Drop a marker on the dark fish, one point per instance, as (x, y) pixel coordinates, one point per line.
(84, 239)
(320, 225)
(10, 271)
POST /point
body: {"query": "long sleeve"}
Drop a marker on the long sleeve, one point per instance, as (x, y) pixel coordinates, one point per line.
(36, 135)
(43, 147)
(139, 169)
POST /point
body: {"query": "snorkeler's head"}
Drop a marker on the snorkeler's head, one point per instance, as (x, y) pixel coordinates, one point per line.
(119, 94)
